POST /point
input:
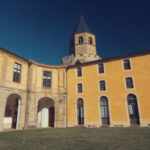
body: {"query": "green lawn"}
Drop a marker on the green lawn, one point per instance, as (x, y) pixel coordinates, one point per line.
(77, 139)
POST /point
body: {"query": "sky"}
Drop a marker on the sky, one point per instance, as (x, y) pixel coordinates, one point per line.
(40, 29)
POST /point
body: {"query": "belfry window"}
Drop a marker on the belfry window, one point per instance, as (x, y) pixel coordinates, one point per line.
(90, 41)
(129, 83)
(100, 68)
(80, 40)
(47, 79)
(17, 72)
(126, 63)
(79, 72)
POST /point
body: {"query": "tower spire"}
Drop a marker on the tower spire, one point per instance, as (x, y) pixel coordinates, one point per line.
(82, 26)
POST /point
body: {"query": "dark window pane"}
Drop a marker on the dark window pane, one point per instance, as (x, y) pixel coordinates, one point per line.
(80, 90)
(79, 72)
(102, 85)
(127, 65)
(47, 79)
(129, 82)
(80, 40)
(90, 41)
(80, 111)
(17, 71)
(101, 68)
(104, 110)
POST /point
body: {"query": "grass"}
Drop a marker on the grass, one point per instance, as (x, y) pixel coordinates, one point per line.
(77, 139)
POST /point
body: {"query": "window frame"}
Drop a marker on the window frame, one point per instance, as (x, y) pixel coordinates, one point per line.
(78, 91)
(78, 72)
(17, 73)
(105, 89)
(101, 67)
(128, 64)
(127, 84)
(47, 79)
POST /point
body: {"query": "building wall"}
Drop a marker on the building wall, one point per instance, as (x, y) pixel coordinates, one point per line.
(115, 91)
(64, 90)
(57, 93)
(8, 87)
(30, 89)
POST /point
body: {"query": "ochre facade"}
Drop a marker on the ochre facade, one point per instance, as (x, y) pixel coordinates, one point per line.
(116, 91)
(84, 90)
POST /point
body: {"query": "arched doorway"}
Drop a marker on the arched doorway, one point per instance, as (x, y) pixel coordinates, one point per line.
(46, 112)
(133, 109)
(12, 111)
(104, 107)
(80, 111)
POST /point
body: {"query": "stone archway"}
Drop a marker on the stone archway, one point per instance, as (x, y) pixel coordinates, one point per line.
(46, 112)
(12, 112)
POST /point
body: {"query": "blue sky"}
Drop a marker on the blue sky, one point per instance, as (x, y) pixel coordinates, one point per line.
(40, 29)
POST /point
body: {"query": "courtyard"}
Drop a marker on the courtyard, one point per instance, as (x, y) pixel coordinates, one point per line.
(132, 138)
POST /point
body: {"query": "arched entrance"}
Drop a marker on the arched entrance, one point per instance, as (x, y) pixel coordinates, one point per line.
(104, 110)
(12, 111)
(133, 109)
(80, 111)
(46, 112)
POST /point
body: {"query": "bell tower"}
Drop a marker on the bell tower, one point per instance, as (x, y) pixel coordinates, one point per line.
(82, 45)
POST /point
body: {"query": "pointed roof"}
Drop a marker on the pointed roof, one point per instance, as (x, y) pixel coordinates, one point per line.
(82, 26)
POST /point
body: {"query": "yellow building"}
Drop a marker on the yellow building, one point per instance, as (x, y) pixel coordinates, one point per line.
(85, 90)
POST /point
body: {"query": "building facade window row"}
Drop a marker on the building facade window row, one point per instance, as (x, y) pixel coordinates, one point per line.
(101, 68)
(17, 76)
(132, 104)
(102, 85)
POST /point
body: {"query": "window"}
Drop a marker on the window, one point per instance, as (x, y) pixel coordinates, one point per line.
(47, 79)
(104, 110)
(80, 111)
(17, 71)
(80, 40)
(100, 68)
(129, 83)
(90, 41)
(79, 72)
(102, 85)
(79, 86)
(127, 65)
(133, 109)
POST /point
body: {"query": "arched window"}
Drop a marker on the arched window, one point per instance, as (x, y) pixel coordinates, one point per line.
(80, 40)
(133, 109)
(90, 41)
(80, 111)
(104, 110)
